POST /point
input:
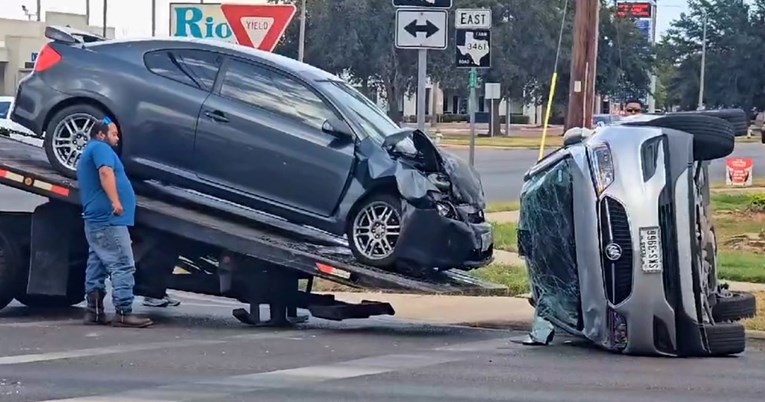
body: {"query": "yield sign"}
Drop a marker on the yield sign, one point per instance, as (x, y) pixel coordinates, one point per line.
(258, 26)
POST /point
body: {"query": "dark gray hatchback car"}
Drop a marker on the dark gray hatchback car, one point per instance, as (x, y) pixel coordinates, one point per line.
(263, 131)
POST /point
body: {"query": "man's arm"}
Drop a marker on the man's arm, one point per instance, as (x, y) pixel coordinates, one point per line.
(104, 159)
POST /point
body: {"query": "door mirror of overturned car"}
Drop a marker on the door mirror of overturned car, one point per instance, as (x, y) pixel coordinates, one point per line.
(337, 127)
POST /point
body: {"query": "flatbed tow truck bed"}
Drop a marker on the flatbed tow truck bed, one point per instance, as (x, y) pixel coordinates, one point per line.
(255, 262)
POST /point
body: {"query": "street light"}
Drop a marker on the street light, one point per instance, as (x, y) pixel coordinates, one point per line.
(703, 59)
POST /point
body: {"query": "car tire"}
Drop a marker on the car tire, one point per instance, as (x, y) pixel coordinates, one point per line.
(10, 265)
(57, 119)
(712, 136)
(378, 202)
(727, 338)
(736, 117)
(737, 306)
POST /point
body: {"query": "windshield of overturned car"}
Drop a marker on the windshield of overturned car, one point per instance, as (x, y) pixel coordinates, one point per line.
(546, 238)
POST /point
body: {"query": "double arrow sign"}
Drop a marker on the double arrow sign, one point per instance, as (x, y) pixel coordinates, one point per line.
(420, 28)
(429, 28)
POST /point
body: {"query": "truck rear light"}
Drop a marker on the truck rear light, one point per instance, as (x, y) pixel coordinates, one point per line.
(47, 58)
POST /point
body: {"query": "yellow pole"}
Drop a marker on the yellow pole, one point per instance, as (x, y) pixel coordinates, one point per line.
(553, 82)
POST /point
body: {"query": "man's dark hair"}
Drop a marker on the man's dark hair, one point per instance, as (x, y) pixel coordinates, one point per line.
(98, 128)
(635, 101)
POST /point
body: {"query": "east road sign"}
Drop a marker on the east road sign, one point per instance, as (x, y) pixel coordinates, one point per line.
(473, 48)
(472, 18)
(421, 28)
(258, 26)
(423, 3)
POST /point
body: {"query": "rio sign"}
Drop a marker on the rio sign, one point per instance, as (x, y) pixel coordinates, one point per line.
(257, 26)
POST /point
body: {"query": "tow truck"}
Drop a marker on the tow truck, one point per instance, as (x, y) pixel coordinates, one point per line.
(215, 250)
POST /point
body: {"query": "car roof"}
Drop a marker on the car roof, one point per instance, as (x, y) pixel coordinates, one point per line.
(6, 98)
(283, 62)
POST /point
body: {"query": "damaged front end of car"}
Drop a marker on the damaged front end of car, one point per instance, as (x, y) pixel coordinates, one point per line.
(443, 225)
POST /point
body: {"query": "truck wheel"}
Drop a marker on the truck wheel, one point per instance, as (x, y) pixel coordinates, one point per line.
(712, 137)
(373, 230)
(737, 306)
(9, 269)
(67, 134)
(727, 338)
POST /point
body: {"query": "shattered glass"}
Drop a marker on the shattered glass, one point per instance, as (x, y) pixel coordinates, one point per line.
(546, 237)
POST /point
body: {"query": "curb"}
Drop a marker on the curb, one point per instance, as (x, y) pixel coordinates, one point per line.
(752, 334)
(495, 147)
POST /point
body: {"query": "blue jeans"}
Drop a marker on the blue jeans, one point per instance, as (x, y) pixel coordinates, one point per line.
(111, 254)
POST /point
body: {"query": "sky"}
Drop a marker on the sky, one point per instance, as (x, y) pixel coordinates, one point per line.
(132, 18)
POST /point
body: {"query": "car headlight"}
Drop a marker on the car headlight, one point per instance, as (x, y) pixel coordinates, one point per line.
(446, 210)
(602, 166)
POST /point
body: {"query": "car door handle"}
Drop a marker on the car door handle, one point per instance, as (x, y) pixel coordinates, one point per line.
(217, 115)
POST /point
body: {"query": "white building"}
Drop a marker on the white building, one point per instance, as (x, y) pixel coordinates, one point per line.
(21, 41)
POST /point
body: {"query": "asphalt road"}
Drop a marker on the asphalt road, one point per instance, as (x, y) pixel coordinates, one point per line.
(502, 170)
(198, 352)
(501, 173)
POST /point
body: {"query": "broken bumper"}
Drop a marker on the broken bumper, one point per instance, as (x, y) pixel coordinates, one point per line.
(429, 239)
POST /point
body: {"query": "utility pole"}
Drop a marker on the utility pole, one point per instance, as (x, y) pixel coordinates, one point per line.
(703, 61)
(87, 12)
(581, 99)
(153, 18)
(39, 9)
(301, 45)
(104, 33)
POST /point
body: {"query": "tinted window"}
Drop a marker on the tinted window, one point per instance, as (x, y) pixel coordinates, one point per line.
(274, 92)
(196, 68)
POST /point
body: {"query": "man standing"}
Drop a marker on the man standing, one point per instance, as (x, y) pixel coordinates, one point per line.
(108, 203)
(634, 107)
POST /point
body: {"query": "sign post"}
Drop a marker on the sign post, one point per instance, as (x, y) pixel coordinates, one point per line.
(473, 51)
(492, 92)
(422, 25)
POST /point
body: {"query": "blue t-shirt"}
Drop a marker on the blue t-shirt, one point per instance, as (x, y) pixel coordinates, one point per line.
(96, 207)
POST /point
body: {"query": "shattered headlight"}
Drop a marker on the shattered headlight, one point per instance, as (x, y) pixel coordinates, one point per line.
(446, 210)
(602, 166)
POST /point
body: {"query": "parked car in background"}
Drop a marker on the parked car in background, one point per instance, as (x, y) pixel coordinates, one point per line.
(600, 120)
(263, 131)
(9, 127)
(618, 239)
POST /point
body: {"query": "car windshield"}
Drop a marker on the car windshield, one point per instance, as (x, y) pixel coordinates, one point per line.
(373, 120)
(4, 108)
(546, 234)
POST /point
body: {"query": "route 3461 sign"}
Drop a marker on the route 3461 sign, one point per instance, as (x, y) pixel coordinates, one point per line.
(473, 48)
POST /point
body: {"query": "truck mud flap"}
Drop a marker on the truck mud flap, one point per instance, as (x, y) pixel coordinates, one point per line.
(337, 310)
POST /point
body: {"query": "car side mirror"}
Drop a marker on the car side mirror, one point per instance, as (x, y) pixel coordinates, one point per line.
(337, 127)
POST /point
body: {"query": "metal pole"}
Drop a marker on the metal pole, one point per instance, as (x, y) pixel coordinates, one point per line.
(87, 12)
(703, 61)
(301, 46)
(422, 66)
(471, 110)
(39, 9)
(153, 17)
(104, 33)
(491, 121)
(507, 116)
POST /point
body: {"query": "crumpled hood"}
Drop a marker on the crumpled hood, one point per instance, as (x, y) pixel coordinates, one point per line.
(421, 165)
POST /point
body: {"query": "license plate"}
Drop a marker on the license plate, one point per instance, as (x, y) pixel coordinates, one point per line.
(486, 240)
(650, 250)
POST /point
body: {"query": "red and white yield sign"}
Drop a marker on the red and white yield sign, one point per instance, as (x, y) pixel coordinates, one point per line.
(738, 171)
(260, 26)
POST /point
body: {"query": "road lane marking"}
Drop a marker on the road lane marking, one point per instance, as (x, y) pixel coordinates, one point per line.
(110, 350)
(46, 323)
(224, 388)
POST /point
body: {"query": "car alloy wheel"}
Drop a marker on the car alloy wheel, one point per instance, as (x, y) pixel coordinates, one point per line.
(376, 230)
(70, 137)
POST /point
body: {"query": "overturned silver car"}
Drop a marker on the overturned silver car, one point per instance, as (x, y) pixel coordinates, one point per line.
(616, 232)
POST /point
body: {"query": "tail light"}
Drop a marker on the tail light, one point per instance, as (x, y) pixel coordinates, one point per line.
(47, 58)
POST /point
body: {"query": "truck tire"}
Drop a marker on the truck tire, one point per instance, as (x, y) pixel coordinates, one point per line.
(738, 306)
(712, 136)
(727, 338)
(736, 117)
(9, 269)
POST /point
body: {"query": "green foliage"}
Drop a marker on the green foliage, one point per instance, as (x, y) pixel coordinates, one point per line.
(356, 37)
(735, 64)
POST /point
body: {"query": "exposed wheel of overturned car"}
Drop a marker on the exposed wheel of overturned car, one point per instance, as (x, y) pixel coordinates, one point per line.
(375, 225)
(712, 136)
(734, 306)
(67, 134)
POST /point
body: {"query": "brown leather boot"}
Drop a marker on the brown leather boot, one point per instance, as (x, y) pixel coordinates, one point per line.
(130, 321)
(94, 311)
